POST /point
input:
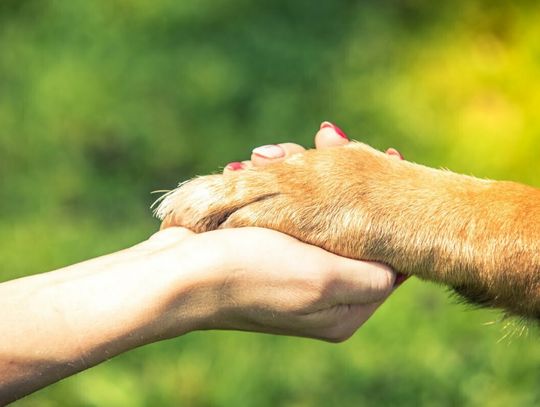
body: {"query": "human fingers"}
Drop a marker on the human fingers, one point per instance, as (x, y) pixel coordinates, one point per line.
(272, 153)
(358, 282)
(330, 135)
(394, 153)
(237, 165)
(265, 155)
(343, 321)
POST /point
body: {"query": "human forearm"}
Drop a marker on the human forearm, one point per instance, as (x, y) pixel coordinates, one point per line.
(56, 324)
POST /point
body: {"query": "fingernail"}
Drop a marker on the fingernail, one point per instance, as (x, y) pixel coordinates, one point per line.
(400, 279)
(235, 166)
(394, 152)
(338, 131)
(270, 151)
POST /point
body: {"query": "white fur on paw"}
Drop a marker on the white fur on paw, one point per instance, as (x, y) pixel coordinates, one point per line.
(197, 193)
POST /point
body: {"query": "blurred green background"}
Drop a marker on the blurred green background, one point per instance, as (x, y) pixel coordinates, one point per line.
(103, 101)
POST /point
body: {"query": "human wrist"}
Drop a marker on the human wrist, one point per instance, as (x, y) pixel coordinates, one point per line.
(185, 279)
(128, 300)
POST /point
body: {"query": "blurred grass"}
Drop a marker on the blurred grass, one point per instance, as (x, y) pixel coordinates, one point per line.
(102, 102)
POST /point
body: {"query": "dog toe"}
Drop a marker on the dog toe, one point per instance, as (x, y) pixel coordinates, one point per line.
(206, 203)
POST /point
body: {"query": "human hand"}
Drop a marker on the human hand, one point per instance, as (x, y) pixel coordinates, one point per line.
(176, 282)
(329, 135)
(267, 288)
(261, 280)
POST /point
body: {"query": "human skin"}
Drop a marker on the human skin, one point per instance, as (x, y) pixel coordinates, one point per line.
(479, 237)
(58, 323)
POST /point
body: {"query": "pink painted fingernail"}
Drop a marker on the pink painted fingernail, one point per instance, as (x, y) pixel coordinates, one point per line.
(400, 279)
(394, 152)
(235, 166)
(338, 131)
(269, 151)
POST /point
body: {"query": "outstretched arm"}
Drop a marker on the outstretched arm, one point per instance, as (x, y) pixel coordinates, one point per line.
(56, 324)
(59, 323)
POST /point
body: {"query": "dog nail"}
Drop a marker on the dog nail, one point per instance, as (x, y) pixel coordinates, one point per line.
(270, 151)
(338, 131)
(235, 166)
(400, 279)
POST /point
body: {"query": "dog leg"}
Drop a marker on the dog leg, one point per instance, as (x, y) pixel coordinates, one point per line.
(480, 237)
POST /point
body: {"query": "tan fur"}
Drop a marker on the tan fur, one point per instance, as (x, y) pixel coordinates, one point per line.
(480, 237)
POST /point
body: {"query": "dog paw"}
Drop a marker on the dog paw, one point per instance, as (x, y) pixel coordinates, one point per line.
(361, 203)
(320, 197)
